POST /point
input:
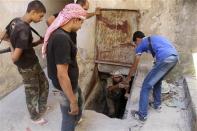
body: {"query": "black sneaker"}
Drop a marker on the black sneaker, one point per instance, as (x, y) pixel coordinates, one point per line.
(137, 116)
(158, 108)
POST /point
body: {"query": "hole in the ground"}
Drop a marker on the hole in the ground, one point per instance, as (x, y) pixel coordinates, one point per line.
(108, 97)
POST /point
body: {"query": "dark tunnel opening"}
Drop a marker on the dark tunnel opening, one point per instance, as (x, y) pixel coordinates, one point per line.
(110, 102)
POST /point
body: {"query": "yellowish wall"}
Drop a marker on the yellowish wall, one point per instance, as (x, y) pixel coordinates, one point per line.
(175, 19)
(10, 9)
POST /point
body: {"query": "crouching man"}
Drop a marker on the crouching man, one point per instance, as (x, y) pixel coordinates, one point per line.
(116, 95)
(166, 57)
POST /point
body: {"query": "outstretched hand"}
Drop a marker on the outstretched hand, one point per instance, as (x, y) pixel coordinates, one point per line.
(98, 11)
(124, 85)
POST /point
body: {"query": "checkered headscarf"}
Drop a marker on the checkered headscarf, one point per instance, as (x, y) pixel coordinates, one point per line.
(69, 12)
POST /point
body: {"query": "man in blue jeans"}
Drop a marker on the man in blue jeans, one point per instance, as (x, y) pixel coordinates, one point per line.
(62, 64)
(166, 58)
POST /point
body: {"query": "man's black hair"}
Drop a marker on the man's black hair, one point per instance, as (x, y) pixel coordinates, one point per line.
(81, 2)
(37, 6)
(138, 34)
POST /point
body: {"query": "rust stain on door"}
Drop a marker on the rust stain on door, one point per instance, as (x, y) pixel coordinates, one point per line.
(114, 29)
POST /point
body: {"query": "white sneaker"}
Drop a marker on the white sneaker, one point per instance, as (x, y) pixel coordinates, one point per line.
(40, 121)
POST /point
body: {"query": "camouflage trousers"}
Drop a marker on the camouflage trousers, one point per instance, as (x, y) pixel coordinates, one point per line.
(36, 90)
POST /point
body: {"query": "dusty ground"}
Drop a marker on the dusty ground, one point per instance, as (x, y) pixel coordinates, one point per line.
(14, 117)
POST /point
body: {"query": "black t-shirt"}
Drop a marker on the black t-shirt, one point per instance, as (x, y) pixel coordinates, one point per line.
(62, 50)
(20, 36)
(73, 35)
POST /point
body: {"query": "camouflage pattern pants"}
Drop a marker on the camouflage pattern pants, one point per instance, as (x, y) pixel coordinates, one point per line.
(36, 90)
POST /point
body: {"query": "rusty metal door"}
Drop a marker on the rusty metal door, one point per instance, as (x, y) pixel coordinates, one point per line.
(114, 29)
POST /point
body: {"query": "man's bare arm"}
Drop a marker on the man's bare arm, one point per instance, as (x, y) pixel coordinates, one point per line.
(97, 12)
(50, 20)
(16, 53)
(64, 80)
(112, 87)
(133, 67)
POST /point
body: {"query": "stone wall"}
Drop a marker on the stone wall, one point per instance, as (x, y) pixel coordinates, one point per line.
(175, 19)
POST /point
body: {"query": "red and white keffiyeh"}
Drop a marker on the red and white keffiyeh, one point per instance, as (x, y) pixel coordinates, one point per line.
(69, 12)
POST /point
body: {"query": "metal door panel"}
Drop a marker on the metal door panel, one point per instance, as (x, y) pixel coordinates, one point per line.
(114, 29)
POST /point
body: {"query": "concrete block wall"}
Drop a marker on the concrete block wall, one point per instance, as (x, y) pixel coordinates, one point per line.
(190, 84)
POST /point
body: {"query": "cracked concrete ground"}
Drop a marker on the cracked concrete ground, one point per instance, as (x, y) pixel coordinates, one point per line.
(14, 117)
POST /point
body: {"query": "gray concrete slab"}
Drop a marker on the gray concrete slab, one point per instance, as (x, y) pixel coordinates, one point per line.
(191, 85)
(14, 117)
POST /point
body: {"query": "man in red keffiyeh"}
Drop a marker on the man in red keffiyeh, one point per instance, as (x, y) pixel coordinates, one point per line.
(62, 66)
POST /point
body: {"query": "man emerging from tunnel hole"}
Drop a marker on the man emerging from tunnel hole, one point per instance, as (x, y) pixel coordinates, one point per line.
(116, 97)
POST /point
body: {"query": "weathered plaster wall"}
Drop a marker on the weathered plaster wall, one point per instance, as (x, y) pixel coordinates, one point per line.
(10, 9)
(175, 19)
